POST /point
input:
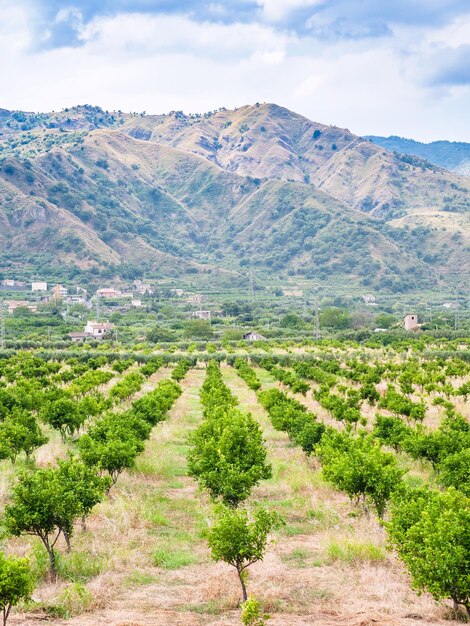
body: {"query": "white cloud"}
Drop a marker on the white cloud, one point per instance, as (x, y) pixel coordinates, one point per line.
(160, 63)
(277, 10)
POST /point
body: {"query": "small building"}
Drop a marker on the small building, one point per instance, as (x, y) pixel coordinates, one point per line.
(136, 302)
(21, 304)
(410, 322)
(202, 315)
(369, 300)
(76, 337)
(108, 292)
(75, 299)
(253, 336)
(450, 305)
(98, 330)
(59, 292)
(39, 286)
(143, 289)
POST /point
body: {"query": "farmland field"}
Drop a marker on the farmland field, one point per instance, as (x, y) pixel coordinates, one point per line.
(344, 438)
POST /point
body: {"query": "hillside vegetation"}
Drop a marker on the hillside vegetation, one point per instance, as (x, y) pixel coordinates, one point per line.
(453, 155)
(106, 193)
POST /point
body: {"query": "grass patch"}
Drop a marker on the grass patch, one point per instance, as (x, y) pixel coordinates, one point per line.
(173, 559)
(79, 567)
(211, 607)
(74, 599)
(355, 552)
(324, 517)
(137, 579)
(300, 558)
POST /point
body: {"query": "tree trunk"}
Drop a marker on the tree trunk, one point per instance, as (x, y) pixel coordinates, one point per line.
(242, 583)
(51, 554)
(67, 540)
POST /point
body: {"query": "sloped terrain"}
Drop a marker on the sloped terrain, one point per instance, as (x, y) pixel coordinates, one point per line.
(260, 185)
(453, 155)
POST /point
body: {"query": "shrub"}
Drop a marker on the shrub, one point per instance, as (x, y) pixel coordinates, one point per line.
(430, 532)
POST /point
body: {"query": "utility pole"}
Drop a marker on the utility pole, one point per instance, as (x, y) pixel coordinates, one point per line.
(2, 325)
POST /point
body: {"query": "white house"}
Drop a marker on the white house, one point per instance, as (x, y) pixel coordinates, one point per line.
(39, 286)
(98, 329)
(108, 292)
(23, 304)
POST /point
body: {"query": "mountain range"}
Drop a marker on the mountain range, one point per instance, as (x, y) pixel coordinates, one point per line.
(90, 193)
(453, 155)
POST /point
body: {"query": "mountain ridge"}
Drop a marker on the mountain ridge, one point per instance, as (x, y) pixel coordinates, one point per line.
(261, 185)
(451, 155)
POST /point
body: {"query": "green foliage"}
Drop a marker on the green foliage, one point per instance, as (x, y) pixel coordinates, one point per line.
(401, 405)
(180, 370)
(354, 552)
(241, 539)
(430, 532)
(391, 431)
(293, 417)
(360, 468)
(334, 317)
(63, 415)
(159, 334)
(285, 376)
(16, 583)
(172, 559)
(247, 374)
(47, 502)
(454, 471)
(126, 387)
(253, 613)
(452, 436)
(198, 329)
(228, 457)
(19, 432)
(113, 442)
(291, 320)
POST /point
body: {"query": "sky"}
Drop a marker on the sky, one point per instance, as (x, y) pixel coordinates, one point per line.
(374, 66)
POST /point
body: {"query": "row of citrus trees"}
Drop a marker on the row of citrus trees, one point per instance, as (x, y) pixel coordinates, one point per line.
(48, 502)
(228, 458)
(65, 408)
(428, 526)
